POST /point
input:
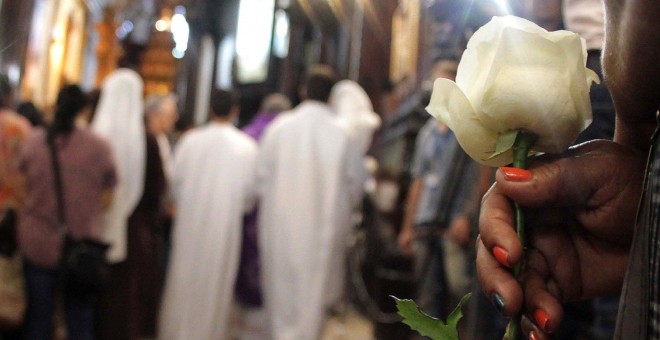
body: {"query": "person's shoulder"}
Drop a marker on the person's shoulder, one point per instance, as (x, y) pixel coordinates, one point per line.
(91, 139)
(125, 73)
(244, 139)
(186, 142)
(15, 122)
(88, 133)
(35, 136)
(283, 121)
(284, 118)
(191, 135)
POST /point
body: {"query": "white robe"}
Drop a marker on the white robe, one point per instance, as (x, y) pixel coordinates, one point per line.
(309, 178)
(213, 186)
(119, 117)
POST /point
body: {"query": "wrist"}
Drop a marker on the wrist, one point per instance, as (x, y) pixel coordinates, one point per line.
(635, 133)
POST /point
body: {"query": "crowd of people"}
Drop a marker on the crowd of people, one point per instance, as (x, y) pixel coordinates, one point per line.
(188, 247)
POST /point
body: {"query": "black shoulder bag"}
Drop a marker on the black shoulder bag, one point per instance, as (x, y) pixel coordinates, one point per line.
(83, 265)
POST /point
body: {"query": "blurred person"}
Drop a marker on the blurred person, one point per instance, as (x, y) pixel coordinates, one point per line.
(429, 137)
(144, 272)
(88, 177)
(213, 186)
(598, 234)
(271, 106)
(248, 289)
(119, 118)
(310, 177)
(31, 113)
(14, 129)
(356, 114)
(440, 218)
(355, 111)
(161, 114)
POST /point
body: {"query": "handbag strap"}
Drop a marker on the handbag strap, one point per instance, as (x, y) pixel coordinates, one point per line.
(58, 180)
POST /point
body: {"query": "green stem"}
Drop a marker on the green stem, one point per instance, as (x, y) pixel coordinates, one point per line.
(524, 141)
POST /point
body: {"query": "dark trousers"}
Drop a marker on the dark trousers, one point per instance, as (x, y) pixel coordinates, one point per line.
(42, 293)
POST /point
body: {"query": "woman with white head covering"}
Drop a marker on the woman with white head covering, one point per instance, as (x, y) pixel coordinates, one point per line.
(356, 114)
(355, 111)
(119, 118)
(129, 304)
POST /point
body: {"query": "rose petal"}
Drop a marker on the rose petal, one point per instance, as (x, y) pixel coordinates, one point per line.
(535, 99)
(516, 75)
(450, 106)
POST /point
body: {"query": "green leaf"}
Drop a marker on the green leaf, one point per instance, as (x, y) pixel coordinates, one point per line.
(430, 326)
(504, 143)
(512, 331)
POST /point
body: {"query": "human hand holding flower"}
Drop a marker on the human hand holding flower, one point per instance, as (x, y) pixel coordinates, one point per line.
(581, 221)
(519, 89)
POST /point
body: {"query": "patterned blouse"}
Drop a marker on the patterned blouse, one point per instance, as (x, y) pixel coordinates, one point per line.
(14, 129)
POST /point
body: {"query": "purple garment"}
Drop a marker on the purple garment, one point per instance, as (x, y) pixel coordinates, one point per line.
(248, 280)
(258, 124)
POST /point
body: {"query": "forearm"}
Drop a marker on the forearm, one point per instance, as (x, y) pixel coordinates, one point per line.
(631, 69)
(635, 133)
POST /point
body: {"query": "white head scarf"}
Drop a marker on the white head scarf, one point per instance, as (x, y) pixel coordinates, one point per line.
(119, 118)
(355, 112)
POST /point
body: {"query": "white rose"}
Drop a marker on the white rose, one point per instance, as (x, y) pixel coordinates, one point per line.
(516, 75)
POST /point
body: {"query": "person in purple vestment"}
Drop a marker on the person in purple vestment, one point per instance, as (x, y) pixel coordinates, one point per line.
(248, 281)
(271, 106)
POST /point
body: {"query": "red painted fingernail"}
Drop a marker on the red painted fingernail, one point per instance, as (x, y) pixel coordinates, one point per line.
(533, 336)
(501, 255)
(516, 174)
(541, 319)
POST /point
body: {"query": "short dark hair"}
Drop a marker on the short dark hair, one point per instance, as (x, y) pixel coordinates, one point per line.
(319, 82)
(222, 102)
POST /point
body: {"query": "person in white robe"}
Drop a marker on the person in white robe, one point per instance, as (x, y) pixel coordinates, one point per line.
(356, 114)
(214, 184)
(309, 179)
(119, 118)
